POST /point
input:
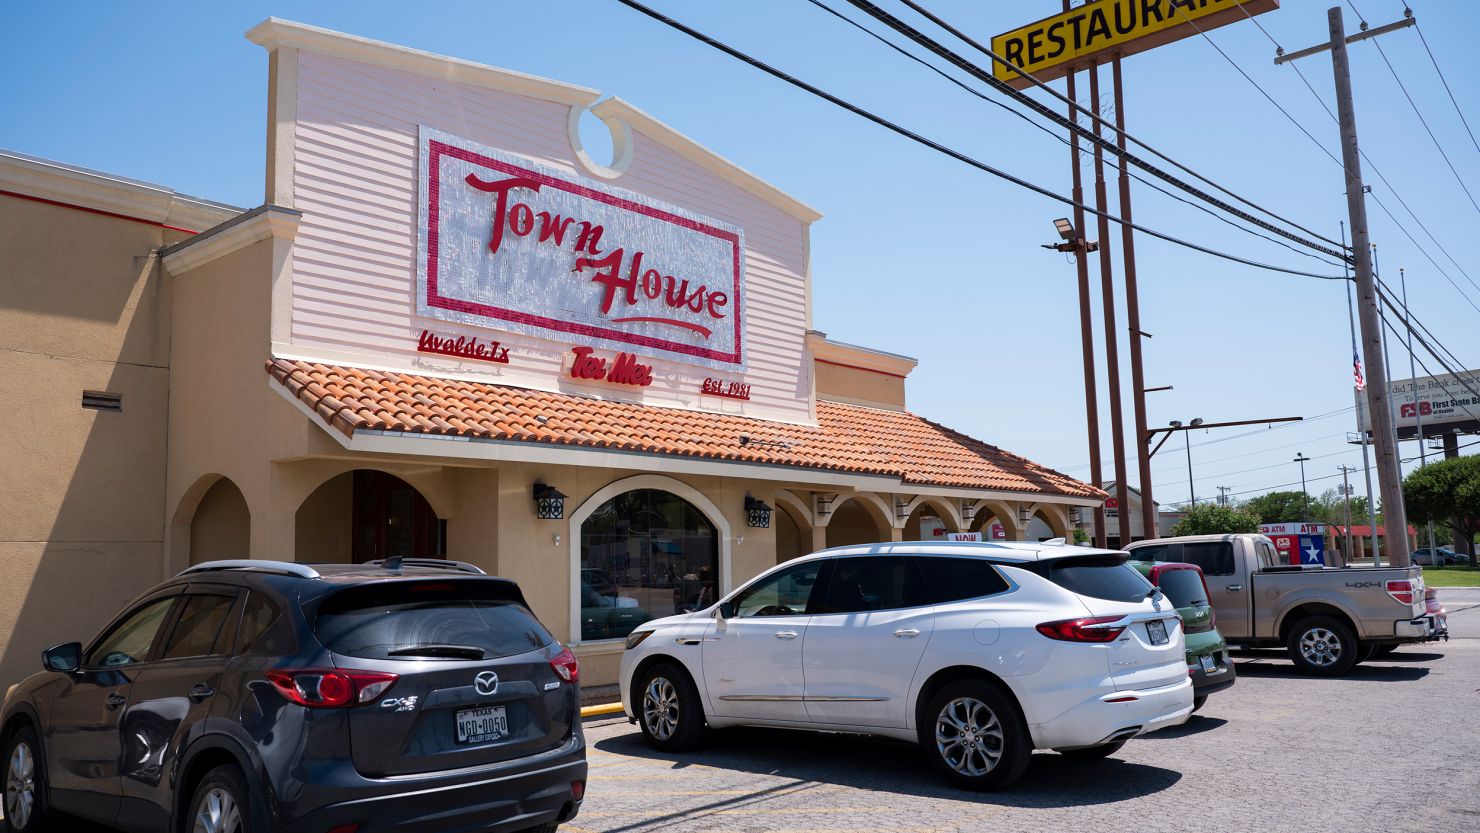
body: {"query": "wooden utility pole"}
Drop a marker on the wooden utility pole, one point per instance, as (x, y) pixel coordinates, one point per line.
(1389, 474)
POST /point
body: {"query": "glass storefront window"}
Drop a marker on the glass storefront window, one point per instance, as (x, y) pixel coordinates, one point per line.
(645, 554)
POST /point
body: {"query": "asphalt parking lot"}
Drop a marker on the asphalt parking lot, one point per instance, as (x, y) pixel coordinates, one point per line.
(1395, 745)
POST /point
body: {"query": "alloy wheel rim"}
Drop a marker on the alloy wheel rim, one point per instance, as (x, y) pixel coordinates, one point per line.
(969, 737)
(1321, 647)
(218, 812)
(660, 708)
(20, 786)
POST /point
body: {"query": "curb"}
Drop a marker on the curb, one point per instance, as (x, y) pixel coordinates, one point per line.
(601, 710)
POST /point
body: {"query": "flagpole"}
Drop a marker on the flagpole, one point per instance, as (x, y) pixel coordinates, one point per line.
(1351, 321)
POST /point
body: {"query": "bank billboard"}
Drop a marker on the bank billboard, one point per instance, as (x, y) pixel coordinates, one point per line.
(1442, 403)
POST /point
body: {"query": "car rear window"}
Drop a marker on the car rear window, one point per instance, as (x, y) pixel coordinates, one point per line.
(1183, 587)
(1214, 557)
(954, 579)
(423, 620)
(1108, 577)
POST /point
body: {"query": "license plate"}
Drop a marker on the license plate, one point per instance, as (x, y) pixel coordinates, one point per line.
(482, 725)
(1157, 630)
(1209, 664)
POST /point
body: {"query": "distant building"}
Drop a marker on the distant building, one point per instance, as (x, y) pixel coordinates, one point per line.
(1164, 520)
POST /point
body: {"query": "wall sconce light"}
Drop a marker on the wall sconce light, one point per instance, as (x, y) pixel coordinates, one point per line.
(1076, 515)
(1023, 516)
(549, 502)
(823, 505)
(901, 509)
(757, 513)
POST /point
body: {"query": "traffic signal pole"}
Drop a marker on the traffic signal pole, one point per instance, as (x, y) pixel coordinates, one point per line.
(1389, 476)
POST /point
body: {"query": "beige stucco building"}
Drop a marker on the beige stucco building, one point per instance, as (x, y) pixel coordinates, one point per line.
(386, 358)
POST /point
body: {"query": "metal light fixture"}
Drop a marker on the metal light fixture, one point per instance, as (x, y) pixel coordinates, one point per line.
(1072, 241)
(549, 502)
(757, 513)
(1024, 516)
(901, 509)
(823, 505)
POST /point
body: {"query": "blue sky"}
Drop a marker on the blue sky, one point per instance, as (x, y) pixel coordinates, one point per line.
(916, 253)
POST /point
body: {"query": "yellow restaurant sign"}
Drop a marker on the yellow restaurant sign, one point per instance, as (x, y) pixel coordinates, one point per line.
(1051, 47)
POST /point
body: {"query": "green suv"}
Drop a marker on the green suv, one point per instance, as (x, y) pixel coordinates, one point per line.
(1207, 652)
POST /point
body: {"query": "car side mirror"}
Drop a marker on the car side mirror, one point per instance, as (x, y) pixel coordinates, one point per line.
(726, 611)
(63, 658)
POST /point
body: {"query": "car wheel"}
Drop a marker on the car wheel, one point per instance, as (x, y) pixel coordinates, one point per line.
(1091, 753)
(25, 785)
(974, 735)
(1198, 701)
(1384, 650)
(668, 708)
(221, 803)
(1322, 646)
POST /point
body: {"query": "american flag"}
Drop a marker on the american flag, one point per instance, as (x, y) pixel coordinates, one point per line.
(1357, 371)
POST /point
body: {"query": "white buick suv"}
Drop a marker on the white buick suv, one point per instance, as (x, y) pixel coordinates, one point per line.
(979, 652)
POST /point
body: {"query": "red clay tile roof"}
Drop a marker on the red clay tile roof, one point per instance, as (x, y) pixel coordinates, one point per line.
(849, 438)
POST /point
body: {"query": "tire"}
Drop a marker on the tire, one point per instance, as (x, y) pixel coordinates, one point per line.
(964, 724)
(668, 708)
(1198, 701)
(24, 780)
(1384, 650)
(1093, 753)
(1321, 646)
(222, 801)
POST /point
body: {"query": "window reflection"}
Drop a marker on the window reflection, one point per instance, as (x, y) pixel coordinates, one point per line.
(644, 554)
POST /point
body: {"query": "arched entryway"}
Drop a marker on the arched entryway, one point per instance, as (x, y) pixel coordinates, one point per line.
(793, 522)
(221, 526)
(929, 521)
(1048, 522)
(367, 515)
(857, 520)
(644, 553)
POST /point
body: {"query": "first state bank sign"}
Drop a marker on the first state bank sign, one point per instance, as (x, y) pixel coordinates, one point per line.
(512, 245)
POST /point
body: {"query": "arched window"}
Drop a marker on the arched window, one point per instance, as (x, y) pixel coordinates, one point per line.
(644, 554)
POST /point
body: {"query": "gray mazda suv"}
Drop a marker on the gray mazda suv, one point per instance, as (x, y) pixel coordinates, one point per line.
(255, 696)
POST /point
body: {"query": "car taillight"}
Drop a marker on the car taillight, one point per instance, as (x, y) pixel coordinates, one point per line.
(566, 666)
(330, 688)
(1402, 591)
(1095, 629)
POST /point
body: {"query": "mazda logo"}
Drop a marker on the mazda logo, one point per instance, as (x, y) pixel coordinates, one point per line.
(486, 683)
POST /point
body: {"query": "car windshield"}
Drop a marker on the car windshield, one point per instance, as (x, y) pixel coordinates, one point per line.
(434, 619)
(1183, 587)
(1109, 577)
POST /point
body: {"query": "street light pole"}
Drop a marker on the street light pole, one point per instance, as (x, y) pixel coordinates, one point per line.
(1423, 454)
(1305, 510)
(1191, 484)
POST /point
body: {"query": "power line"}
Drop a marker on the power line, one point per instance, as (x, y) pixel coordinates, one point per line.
(955, 154)
(1280, 50)
(1435, 62)
(1021, 115)
(1422, 120)
(1256, 468)
(1244, 434)
(1042, 110)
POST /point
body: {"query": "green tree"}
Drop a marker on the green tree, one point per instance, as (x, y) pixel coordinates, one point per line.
(1279, 507)
(1212, 519)
(1446, 492)
(1330, 508)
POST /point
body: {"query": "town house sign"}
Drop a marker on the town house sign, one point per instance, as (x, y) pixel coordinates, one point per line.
(512, 245)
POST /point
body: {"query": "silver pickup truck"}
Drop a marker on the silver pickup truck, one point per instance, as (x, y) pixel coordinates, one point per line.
(1328, 619)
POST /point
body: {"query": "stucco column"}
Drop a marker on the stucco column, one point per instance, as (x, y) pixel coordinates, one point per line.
(274, 528)
(819, 538)
(472, 531)
(896, 534)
